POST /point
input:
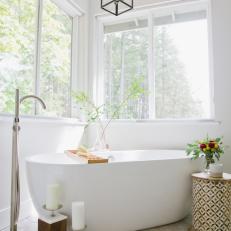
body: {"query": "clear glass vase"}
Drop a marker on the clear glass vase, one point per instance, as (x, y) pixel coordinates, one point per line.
(207, 162)
(100, 143)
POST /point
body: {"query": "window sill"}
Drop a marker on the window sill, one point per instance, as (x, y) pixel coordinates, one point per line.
(168, 121)
(42, 119)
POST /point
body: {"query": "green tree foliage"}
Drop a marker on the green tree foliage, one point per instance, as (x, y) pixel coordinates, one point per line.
(173, 94)
(17, 51)
(56, 60)
(17, 37)
(126, 57)
(126, 61)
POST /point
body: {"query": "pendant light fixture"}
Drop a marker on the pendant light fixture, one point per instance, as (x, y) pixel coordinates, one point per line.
(117, 7)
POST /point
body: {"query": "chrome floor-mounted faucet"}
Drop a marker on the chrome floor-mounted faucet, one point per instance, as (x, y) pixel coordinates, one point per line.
(15, 180)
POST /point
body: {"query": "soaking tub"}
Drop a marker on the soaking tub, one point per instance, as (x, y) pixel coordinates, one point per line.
(134, 191)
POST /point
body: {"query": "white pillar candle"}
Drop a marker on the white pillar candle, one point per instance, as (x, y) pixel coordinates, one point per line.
(52, 198)
(78, 216)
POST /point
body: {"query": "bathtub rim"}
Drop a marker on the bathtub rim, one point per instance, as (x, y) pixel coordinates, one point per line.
(33, 159)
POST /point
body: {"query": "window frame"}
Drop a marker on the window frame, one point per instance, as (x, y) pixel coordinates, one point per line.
(74, 16)
(74, 12)
(102, 20)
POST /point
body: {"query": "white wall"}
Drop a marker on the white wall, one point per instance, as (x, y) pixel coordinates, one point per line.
(221, 19)
(177, 135)
(83, 4)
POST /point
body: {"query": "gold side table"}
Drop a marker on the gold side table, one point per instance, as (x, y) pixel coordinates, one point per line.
(211, 208)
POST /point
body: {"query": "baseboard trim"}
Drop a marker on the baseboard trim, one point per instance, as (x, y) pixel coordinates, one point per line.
(26, 211)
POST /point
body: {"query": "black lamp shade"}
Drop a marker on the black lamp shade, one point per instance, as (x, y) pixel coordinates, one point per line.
(117, 7)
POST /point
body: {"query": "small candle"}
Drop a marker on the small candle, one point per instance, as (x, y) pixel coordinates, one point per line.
(52, 199)
(78, 216)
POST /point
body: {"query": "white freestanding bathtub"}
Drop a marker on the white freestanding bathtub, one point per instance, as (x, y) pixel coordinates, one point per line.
(136, 190)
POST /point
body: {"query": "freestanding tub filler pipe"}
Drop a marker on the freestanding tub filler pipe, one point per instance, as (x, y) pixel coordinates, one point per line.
(15, 180)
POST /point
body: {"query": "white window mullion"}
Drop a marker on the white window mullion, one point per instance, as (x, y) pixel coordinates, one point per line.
(74, 62)
(99, 84)
(37, 61)
(151, 66)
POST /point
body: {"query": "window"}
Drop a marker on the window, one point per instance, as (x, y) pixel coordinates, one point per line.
(17, 39)
(126, 58)
(55, 60)
(35, 55)
(168, 52)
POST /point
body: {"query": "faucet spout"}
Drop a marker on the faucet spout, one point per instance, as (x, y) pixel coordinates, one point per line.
(34, 97)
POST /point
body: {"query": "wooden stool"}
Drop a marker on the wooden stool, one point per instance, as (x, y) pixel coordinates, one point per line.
(57, 223)
(211, 209)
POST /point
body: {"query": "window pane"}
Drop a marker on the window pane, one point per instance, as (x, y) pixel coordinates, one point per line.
(55, 60)
(125, 62)
(17, 42)
(182, 87)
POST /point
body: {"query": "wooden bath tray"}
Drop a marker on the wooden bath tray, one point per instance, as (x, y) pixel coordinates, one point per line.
(86, 157)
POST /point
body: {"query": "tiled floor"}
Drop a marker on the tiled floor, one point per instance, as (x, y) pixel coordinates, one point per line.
(30, 224)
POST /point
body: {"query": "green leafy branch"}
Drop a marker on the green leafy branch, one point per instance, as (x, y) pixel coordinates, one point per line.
(94, 113)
